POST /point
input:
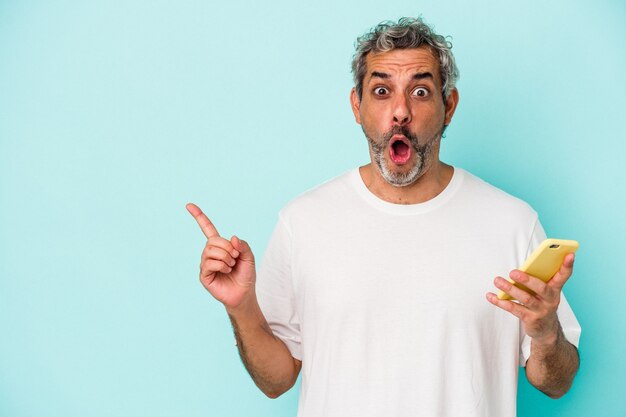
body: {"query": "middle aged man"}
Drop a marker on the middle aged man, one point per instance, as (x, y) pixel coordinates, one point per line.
(374, 282)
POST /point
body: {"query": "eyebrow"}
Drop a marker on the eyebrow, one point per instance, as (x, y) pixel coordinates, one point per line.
(416, 76)
(379, 75)
(422, 75)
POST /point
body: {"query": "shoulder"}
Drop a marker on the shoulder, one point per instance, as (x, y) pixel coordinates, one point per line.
(482, 196)
(322, 197)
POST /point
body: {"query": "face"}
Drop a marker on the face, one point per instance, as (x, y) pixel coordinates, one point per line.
(402, 112)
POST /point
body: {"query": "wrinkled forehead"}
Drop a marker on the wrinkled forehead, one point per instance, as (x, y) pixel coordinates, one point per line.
(403, 63)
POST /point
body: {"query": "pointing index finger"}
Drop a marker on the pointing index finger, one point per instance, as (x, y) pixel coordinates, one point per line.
(205, 224)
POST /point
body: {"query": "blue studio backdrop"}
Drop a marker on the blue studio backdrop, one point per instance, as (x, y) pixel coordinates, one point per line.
(115, 114)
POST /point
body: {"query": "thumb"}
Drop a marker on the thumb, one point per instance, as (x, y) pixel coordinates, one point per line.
(245, 253)
(563, 274)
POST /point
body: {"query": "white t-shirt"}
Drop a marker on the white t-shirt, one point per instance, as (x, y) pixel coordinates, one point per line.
(385, 303)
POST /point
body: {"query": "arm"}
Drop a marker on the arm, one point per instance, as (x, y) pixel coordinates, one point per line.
(552, 364)
(265, 356)
(227, 271)
(553, 361)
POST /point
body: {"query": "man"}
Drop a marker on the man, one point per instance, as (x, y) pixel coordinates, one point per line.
(374, 282)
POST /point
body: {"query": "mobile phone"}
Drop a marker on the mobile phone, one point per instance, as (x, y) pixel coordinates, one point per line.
(544, 262)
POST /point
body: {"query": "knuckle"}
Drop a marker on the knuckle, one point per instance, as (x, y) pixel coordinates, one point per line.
(214, 253)
(220, 242)
(541, 287)
(551, 296)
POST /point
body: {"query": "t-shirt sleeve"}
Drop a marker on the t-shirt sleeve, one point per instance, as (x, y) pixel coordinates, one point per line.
(274, 289)
(571, 327)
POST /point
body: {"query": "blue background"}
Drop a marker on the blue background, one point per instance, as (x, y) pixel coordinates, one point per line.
(114, 114)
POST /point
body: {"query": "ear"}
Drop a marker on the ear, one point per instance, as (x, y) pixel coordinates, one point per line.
(355, 103)
(451, 102)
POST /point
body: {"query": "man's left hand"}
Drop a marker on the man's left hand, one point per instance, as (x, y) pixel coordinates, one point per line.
(537, 312)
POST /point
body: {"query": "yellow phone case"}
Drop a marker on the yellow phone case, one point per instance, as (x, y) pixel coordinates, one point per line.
(544, 262)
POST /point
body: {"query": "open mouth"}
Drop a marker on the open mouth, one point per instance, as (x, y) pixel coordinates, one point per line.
(400, 150)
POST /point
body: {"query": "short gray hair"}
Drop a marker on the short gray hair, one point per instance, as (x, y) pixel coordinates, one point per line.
(406, 33)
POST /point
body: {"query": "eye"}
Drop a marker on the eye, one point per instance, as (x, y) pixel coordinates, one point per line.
(421, 92)
(381, 91)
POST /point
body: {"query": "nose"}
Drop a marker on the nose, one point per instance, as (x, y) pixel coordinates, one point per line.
(401, 110)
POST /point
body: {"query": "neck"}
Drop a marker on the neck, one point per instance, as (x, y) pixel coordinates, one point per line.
(428, 186)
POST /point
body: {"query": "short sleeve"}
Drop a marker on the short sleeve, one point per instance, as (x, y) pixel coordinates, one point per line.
(274, 289)
(569, 323)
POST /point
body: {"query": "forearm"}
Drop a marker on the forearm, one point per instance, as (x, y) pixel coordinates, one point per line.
(552, 365)
(265, 356)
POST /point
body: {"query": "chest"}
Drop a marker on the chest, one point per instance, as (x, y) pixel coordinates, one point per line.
(414, 269)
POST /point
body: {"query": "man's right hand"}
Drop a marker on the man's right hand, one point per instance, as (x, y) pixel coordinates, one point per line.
(227, 271)
(227, 268)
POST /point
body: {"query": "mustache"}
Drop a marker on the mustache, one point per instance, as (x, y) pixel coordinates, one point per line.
(404, 131)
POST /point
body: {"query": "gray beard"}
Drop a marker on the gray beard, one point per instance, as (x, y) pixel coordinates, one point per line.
(423, 152)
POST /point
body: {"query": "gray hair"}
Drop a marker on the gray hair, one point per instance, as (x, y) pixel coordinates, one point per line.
(406, 33)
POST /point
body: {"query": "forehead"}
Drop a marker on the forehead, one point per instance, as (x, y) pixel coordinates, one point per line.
(403, 62)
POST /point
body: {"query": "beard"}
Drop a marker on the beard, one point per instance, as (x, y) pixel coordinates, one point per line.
(423, 155)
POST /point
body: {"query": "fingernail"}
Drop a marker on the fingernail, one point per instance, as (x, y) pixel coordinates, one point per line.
(235, 253)
(232, 262)
(514, 274)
